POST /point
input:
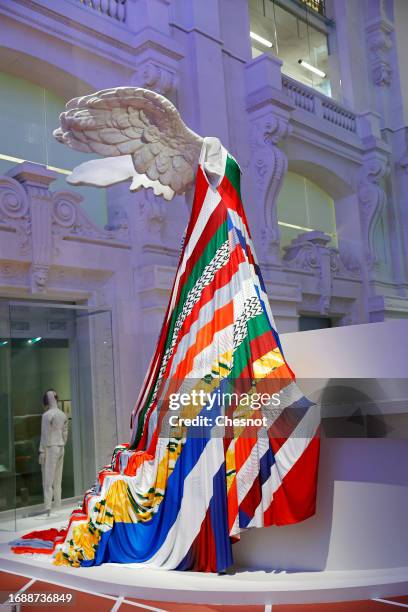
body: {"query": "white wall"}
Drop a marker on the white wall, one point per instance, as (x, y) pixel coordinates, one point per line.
(362, 500)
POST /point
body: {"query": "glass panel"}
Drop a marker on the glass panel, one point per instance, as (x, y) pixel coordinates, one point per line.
(27, 135)
(68, 350)
(302, 47)
(306, 323)
(303, 207)
(7, 471)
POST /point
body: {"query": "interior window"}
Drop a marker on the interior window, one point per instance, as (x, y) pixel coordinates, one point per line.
(302, 207)
(301, 46)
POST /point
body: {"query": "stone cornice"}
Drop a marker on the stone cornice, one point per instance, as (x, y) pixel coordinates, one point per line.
(109, 47)
(347, 146)
(218, 41)
(208, 35)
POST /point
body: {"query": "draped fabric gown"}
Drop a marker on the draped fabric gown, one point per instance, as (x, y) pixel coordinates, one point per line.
(178, 496)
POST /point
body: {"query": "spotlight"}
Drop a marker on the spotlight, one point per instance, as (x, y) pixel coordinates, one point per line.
(308, 66)
(34, 340)
(263, 41)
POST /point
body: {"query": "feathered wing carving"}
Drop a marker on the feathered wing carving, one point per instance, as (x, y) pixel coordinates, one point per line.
(135, 122)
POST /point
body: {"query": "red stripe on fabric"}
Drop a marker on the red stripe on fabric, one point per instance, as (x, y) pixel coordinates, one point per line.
(199, 196)
(258, 347)
(48, 535)
(202, 553)
(252, 499)
(230, 196)
(215, 220)
(56, 536)
(21, 550)
(201, 188)
(232, 504)
(221, 278)
(295, 499)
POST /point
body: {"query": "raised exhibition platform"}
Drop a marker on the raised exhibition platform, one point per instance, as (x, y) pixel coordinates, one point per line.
(355, 547)
(239, 587)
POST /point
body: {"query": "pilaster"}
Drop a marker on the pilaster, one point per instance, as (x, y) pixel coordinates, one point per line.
(35, 180)
(269, 110)
(157, 53)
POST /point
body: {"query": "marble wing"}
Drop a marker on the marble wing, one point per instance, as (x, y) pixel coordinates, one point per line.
(139, 133)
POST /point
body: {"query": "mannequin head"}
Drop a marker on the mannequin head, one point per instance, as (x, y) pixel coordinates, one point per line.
(50, 399)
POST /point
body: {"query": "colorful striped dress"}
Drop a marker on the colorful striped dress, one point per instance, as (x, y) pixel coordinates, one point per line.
(181, 492)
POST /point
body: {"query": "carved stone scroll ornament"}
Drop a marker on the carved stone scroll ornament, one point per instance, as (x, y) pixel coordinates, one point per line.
(70, 221)
(379, 46)
(141, 135)
(14, 211)
(310, 251)
(372, 201)
(402, 164)
(271, 165)
(152, 214)
(156, 76)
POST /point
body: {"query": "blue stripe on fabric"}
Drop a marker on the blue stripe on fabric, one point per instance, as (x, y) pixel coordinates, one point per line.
(242, 240)
(278, 342)
(243, 518)
(219, 522)
(265, 464)
(34, 543)
(218, 510)
(257, 269)
(260, 278)
(138, 542)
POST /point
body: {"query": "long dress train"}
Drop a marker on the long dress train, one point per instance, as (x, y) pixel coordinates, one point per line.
(180, 493)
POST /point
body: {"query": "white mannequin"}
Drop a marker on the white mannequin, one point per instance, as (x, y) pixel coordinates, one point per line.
(54, 434)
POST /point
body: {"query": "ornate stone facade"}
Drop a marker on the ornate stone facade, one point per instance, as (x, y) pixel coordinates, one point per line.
(355, 150)
(379, 43)
(311, 252)
(372, 199)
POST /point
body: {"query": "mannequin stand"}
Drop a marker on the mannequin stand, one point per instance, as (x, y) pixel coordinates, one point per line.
(46, 515)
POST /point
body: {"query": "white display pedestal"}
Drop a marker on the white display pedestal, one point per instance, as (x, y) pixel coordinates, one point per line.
(361, 518)
(355, 547)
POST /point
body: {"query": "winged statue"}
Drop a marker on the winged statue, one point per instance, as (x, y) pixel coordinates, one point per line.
(140, 136)
(171, 498)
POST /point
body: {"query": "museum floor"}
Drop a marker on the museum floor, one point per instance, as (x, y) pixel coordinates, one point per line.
(89, 600)
(122, 587)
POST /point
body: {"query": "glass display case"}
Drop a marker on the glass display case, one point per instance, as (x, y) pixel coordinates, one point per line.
(67, 348)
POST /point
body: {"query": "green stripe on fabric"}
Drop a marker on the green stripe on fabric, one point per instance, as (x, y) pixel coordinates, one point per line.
(233, 174)
(242, 355)
(219, 237)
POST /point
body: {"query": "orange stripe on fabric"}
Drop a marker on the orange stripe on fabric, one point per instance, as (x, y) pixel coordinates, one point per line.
(223, 317)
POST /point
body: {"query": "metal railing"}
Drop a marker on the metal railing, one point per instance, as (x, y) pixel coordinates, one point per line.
(111, 8)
